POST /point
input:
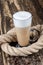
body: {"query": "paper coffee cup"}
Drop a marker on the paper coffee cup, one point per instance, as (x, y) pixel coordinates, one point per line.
(22, 21)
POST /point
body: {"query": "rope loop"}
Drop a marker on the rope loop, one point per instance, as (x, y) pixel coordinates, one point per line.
(10, 36)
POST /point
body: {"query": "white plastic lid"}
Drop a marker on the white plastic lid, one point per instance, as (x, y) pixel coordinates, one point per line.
(22, 15)
(22, 19)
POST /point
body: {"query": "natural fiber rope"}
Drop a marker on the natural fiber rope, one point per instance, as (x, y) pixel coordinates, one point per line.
(20, 51)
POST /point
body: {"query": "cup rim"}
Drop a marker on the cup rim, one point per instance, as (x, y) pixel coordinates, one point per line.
(22, 18)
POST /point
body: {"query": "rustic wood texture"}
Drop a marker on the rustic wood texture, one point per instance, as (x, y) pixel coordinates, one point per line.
(7, 9)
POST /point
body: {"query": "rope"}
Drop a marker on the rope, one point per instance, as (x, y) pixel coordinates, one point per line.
(5, 39)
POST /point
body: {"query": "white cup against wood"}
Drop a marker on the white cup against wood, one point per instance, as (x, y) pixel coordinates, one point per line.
(22, 21)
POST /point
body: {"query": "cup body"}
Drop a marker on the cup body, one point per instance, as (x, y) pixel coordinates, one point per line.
(22, 21)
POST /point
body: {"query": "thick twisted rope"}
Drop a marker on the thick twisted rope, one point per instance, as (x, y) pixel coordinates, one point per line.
(20, 51)
(8, 37)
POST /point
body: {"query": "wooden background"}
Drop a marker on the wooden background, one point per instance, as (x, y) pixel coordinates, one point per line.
(7, 9)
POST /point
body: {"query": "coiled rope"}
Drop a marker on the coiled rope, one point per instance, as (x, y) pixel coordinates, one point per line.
(5, 39)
